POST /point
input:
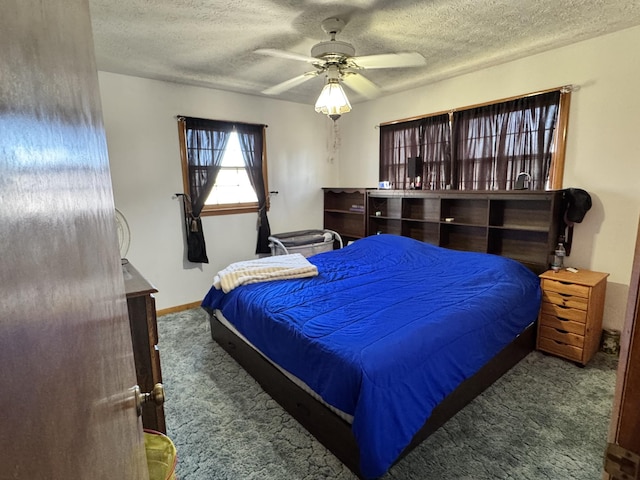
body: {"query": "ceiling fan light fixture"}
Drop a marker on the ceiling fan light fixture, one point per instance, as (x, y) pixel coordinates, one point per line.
(332, 101)
(337, 59)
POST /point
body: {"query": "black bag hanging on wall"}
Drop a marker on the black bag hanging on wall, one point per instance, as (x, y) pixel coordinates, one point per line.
(196, 247)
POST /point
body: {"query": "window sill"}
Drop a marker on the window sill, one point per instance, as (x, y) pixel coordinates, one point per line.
(210, 210)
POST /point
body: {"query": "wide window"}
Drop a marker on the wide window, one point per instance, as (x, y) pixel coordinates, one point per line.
(497, 146)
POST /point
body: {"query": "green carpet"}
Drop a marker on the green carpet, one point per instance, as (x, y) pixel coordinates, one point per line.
(545, 419)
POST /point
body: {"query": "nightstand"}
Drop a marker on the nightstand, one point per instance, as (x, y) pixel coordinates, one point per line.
(570, 321)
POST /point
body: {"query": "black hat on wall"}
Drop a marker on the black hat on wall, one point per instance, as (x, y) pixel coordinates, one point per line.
(578, 203)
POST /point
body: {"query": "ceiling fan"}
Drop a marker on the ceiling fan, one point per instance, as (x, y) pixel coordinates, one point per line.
(337, 59)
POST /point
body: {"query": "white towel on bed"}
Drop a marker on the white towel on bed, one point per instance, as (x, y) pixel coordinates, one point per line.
(278, 267)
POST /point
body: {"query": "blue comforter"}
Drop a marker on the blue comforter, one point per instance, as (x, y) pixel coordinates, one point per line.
(387, 330)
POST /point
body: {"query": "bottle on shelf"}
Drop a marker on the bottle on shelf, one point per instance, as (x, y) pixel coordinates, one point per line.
(558, 256)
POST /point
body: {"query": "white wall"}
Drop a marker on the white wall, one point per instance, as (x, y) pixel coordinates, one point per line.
(142, 138)
(603, 150)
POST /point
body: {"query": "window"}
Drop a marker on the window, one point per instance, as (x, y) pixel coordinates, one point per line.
(218, 160)
(494, 143)
(483, 147)
(426, 138)
(224, 166)
(232, 185)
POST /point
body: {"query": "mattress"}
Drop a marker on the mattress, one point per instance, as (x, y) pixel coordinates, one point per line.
(388, 328)
(346, 417)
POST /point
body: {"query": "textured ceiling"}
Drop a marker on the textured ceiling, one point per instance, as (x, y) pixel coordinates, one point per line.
(212, 43)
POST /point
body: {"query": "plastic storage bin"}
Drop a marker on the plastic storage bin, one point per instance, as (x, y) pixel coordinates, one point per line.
(161, 455)
(305, 242)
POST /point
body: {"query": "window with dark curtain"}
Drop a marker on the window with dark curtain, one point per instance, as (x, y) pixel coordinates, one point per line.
(493, 144)
(481, 148)
(426, 138)
(203, 143)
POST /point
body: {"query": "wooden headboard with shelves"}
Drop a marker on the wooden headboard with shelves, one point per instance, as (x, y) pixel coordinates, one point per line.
(522, 225)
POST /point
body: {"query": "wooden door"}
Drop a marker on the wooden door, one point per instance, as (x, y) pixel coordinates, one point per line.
(66, 362)
(625, 419)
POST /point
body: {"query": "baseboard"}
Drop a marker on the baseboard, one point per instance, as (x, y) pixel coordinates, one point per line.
(179, 308)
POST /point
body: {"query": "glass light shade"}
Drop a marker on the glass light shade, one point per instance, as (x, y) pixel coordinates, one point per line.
(332, 100)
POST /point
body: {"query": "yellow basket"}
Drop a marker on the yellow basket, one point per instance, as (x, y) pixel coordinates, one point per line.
(161, 455)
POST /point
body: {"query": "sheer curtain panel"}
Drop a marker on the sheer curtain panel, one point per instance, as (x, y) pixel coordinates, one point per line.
(251, 139)
(426, 138)
(494, 143)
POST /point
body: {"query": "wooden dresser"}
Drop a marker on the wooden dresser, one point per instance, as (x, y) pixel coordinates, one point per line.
(570, 323)
(144, 335)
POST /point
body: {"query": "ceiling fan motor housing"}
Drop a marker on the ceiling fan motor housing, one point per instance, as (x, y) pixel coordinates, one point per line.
(333, 48)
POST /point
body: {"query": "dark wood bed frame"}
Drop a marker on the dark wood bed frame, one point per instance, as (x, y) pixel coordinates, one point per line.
(331, 430)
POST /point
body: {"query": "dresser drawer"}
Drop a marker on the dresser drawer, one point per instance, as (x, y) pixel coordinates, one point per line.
(565, 300)
(562, 349)
(565, 313)
(562, 336)
(566, 288)
(562, 324)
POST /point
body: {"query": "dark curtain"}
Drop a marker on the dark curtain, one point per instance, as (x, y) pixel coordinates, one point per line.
(205, 141)
(494, 143)
(196, 245)
(427, 138)
(251, 143)
(436, 153)
(398, 142)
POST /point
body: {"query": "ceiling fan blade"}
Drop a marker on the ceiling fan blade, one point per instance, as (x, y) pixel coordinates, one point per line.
(390, 60)
(272, 52)
(361, 84)
(293, 82)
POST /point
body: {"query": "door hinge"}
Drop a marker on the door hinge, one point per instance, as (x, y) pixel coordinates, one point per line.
(621, 464)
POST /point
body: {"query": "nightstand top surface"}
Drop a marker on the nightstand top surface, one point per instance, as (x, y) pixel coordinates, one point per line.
(581, 277)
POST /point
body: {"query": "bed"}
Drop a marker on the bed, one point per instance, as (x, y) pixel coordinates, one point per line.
(384, 344)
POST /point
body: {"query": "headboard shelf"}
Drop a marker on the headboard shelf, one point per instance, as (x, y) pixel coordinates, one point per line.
(523, 225)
